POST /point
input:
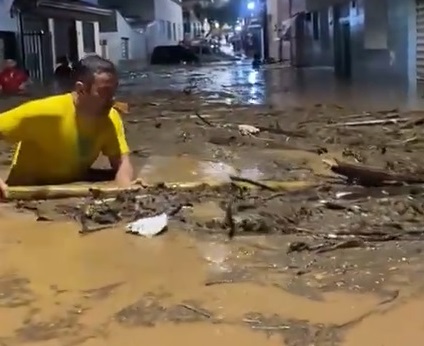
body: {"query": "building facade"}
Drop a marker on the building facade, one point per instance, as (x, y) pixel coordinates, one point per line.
(123, 41)
(370, 39)
(36, 33)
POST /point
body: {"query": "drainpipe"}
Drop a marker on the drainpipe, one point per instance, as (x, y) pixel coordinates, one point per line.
(291, 32)
(21, 38)
(265, 29)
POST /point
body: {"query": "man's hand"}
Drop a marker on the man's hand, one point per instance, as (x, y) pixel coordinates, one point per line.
(3, 190)
(124, 170)
(140, 182)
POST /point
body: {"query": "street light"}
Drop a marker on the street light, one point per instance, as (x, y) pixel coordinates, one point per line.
(251, 5)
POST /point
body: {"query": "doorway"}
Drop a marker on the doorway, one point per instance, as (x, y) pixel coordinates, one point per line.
(342, 46)
(8, 45)
(65, 39)
(73, 42)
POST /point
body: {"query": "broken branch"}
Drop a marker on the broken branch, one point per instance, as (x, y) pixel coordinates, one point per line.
(370, 176)
(371, 122)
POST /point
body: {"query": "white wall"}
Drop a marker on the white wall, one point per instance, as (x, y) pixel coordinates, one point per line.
(137, 41)
(278, 11)
(168, 11)
(6, 22)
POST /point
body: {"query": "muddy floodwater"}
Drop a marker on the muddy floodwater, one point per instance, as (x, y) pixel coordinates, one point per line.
(290, 223)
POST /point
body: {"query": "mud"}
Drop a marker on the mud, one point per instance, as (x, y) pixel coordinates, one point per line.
(322, 262)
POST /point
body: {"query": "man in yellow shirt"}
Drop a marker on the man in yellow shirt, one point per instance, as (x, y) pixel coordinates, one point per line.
(60, 137)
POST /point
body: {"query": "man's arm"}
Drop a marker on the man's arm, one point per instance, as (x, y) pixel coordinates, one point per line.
(14, 127)
(117, 150)
(15, 123)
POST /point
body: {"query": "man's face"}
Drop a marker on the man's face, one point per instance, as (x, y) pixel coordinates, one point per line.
(98, 98)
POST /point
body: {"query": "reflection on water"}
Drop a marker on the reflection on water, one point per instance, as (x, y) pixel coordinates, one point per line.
(189, 169)
(279, 85)
(216, 255)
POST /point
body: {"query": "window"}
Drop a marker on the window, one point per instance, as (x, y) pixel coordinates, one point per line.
(169, 30)
(108, 23)
(187, 27)
(174, 31)
(88, 40)
(180, 32)
(125, 54)
(162, 27)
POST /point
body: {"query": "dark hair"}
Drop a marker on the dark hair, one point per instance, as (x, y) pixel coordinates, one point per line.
(62, 60)
(87, 67)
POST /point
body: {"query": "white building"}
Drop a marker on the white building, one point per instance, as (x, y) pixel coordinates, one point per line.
(49, 29)
(278, 17)
(131, 35)
(123, 41)
(378, 40)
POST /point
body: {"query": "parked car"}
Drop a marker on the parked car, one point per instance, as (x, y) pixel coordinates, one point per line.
(170, 55)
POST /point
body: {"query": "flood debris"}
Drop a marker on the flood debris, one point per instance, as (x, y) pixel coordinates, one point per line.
(229, 220)
(370, 176)
(295, 198)
(248, 130)
(150, 226)
(196, 310)
(204, 120)
(372, 122)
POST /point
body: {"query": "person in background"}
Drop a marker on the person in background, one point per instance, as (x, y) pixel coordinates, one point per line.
(61, 136)
(13, 80)
(63, 75)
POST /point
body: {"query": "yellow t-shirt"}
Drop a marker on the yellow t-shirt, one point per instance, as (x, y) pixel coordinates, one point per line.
(55, 146)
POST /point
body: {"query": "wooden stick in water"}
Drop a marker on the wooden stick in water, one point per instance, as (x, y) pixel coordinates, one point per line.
(81, 191)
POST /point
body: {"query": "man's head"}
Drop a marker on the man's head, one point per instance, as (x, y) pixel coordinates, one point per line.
(96, 81)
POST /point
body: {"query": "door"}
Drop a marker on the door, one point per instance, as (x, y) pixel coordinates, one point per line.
(1, 51)
(37, 47)
(298, 41)
(342, 45)
(72, 42)
(346, 63)
(8, 45)
(65, 39)
(420, 39)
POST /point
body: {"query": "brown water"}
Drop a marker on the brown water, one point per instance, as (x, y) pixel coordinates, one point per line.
(403, 325)
(110, 288)
(59, 287)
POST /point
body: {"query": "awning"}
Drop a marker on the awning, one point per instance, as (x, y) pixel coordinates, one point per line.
(76, 9)
(77, 6)
(137, 23)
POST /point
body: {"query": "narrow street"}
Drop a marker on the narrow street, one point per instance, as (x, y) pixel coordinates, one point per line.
(273, 237)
